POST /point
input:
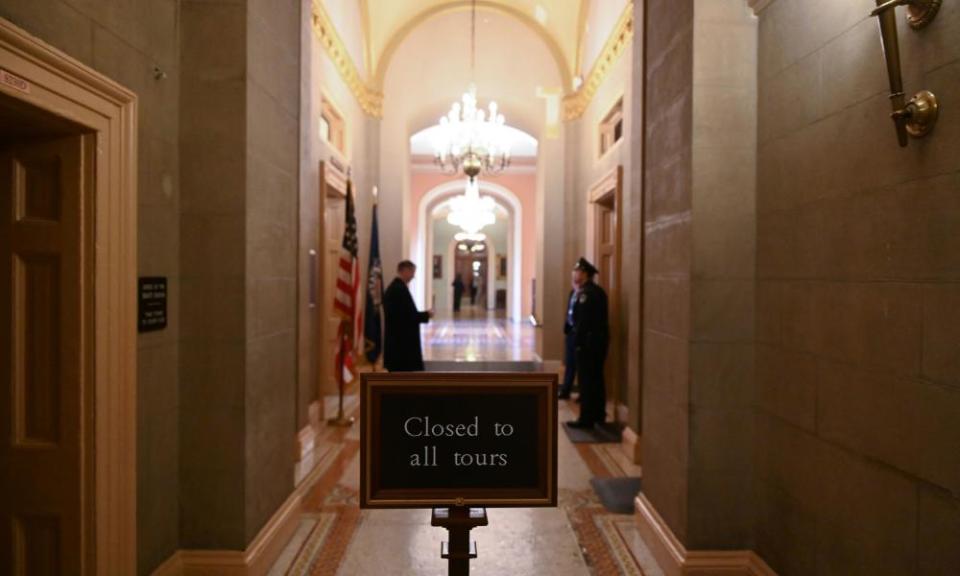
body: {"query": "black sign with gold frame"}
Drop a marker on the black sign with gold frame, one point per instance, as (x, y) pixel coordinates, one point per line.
(431, 439)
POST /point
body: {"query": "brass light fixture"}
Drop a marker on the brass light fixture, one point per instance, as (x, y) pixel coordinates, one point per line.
(916, 117)
(469, 138)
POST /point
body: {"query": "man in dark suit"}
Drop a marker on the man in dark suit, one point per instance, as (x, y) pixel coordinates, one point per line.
(401, 352)
(591, 338)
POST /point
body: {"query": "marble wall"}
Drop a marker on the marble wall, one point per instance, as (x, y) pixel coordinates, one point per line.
(722, 275)
(668, 102)
(858, 288)
(272, 199)
(698, 250)
(125, 41)
(240, 143)
(213, 260)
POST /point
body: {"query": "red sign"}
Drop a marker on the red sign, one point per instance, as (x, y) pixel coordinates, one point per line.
(15, 82)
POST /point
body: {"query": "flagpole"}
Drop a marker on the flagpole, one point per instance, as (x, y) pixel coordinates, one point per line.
(340, 420)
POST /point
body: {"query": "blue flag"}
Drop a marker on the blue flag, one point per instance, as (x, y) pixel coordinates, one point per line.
(373, 341)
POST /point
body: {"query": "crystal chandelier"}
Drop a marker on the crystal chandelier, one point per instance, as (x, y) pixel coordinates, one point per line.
(469, 138)
(471, 212)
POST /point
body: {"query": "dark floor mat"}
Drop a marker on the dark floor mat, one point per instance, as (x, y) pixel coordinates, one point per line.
(607, 432)
(617, 494)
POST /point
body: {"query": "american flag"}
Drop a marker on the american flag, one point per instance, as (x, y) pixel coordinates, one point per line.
(348, 284)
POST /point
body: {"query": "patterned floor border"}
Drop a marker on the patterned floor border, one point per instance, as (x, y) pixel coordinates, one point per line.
(603, 546)
(334, 513)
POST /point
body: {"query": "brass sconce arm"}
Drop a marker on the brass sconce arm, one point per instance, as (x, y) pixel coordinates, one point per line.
(916, 117)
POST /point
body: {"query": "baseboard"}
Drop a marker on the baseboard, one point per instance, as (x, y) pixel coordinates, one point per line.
(676, 560)
(173, 566)
(256, 560)
(630, 443)
(307, 437)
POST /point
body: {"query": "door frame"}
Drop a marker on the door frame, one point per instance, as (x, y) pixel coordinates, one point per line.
(332, 187)
(610, 186)
(49, 80)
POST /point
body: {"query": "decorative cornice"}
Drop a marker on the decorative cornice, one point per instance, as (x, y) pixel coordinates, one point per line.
(370, 100)
(758, 5)
(575, 104)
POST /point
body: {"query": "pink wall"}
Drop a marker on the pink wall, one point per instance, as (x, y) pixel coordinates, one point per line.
(523, 187)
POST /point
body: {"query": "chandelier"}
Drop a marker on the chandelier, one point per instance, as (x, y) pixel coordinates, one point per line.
(471, 212)
(469, 138)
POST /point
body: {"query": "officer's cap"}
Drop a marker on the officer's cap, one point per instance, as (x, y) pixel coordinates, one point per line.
(583, 264)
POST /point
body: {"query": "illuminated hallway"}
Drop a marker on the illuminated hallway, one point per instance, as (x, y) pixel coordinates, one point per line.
(202, 200)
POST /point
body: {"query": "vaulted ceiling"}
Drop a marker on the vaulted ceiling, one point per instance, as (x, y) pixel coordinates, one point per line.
(559, 22)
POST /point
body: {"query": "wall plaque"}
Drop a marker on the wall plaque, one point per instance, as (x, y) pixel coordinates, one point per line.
(430, 439)
(152, 303)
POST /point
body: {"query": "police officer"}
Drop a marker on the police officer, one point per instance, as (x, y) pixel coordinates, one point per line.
(591, 337)
(570, 340)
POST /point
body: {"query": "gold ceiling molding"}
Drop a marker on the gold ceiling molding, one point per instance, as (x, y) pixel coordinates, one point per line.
(369, 99)
(575, 104)
(383, 61)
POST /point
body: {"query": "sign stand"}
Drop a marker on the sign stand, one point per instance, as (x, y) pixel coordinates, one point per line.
(340, 420)
(458, 521)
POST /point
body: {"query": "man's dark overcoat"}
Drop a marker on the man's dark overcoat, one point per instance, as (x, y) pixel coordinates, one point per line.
(401, 351)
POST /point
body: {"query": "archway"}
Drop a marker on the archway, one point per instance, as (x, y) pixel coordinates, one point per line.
(490, 253)
(422, 246)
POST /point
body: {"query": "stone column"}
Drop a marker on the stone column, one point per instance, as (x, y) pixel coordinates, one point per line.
(239, 153)
(700, 143)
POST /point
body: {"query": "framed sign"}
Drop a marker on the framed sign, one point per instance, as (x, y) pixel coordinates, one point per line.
(437, 266)
(151, 303)
(432, 439)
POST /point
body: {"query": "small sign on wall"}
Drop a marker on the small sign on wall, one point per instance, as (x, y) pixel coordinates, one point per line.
(152, 303)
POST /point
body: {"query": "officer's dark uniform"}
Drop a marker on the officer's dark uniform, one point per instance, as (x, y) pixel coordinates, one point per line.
(570, 348)
(592, 336)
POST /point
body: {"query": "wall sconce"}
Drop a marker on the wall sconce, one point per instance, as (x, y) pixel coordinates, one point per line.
(916, 117)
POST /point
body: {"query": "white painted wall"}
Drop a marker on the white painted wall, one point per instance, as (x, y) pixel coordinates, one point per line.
(347, 20)
(591, 166)
(602, 16)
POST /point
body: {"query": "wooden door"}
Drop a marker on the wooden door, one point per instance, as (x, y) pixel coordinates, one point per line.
(43, 409)
(606, 243)
(606, 200)
(335, 220)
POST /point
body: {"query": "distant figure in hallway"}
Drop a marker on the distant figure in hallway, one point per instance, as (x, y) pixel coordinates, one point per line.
(402, 320)
(570, 340)
(591, 336)
(457, 291)
(478, 292)
(473, 289)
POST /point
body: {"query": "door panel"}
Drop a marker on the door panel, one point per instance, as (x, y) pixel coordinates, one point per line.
(41, 188)
(605, 240)
(335, 221)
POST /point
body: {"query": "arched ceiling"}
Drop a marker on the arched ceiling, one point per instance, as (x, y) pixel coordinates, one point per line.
(435, 55)
(560, 24)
